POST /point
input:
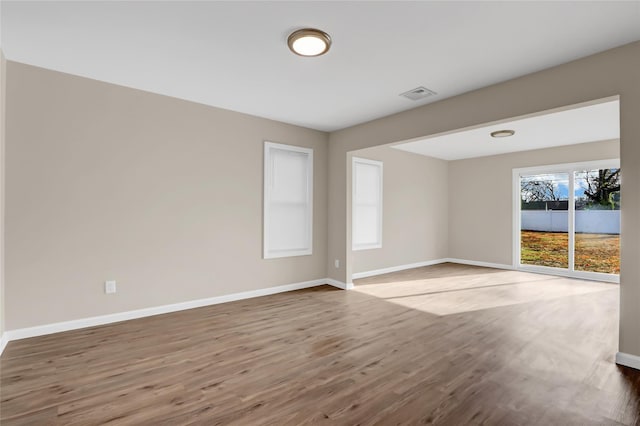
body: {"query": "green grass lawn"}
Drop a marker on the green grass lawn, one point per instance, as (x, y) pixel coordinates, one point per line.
(594, 252)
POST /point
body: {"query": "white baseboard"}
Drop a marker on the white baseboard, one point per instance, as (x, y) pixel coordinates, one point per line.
(41, 330)
(478, 263)
(428, 263)
(3, 342)
(375, 272)
(23, 333)
(628, 360)
(340, 284)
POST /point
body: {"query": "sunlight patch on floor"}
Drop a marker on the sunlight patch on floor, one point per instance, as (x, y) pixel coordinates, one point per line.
(452, 295)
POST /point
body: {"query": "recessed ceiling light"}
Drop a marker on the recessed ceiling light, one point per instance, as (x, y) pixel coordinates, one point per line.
(309, 42)
(502, 133)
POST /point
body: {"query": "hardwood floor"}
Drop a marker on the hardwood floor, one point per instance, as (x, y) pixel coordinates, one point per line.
(342, 357)
(440, 290)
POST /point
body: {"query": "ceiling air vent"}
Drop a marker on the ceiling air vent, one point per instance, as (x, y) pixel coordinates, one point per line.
(418, 93)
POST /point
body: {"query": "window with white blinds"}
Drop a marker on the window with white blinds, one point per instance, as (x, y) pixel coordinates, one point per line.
(288, 200)
(367, 204)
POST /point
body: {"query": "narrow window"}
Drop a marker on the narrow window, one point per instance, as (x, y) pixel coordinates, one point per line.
(367, 204)
(288, 200)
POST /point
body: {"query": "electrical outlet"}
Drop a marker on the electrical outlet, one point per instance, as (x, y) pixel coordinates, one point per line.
(109, 287)
(336, 263)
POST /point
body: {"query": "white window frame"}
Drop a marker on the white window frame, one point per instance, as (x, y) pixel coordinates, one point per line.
(378, 244)
(269, 253)
(568, 168)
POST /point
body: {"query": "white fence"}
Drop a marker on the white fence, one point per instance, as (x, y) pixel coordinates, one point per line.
(587, 221)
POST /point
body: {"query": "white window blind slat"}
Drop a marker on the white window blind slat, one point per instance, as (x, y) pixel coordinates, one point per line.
(367, 204)
(288, 201)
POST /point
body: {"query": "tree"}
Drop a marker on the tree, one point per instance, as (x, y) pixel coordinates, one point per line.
(602, 186)
(538, 190)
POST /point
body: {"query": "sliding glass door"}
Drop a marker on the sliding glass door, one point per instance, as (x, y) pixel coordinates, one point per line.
(597, 220)
(544, 219)
(567, 220)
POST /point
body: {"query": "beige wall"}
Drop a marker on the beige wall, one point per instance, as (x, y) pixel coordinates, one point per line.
(414, 210)
(481, 202)
(614, 72)
(434, 209)
(3, 74)
(162, 195)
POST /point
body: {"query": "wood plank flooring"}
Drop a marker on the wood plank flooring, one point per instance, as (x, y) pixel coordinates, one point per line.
(326, 356)
(440, 290)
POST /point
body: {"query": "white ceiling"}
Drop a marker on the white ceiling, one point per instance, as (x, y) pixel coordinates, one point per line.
(572, 126)
(234, 54)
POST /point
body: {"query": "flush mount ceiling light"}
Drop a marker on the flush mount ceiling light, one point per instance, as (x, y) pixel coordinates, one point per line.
(502, 133)
(309, 42)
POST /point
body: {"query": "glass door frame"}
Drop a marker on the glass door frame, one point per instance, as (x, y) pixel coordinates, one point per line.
(569, 168)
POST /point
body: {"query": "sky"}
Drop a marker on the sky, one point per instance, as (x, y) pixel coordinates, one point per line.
(561, 183)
